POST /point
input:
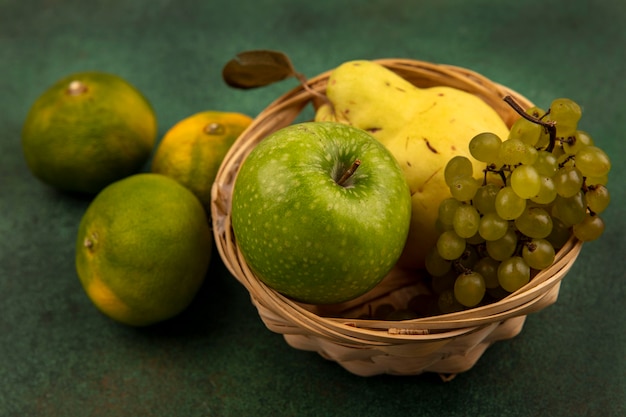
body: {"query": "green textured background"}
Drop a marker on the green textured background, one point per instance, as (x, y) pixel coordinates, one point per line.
(59, 357)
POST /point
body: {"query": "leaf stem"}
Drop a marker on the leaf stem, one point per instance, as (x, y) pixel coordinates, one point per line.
(304, 82)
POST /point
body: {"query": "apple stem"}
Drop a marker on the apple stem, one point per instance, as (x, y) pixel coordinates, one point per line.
(349, 172)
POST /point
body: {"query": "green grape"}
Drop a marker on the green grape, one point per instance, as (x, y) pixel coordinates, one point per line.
(469, 289)
(441, 227)
(466, 221)
(444, 282)
(525, 181)
(495, 177)
(566, 113)
(560, 233)
(538, 253)
(488, 268)
(508, 204)
(504, 247)
(597, 198)
(534, 222)
(564, 159)
(601, 180)
(575, 143)
(558, 150)
(484, 147)
(477, 239)
(547, 192)
(450, 245)
(485, 198)
(435, 264)
(492, 226)
(446, 210)
(457, 167)
(570, 210)
(554, 208)
(526, 131)
(593, 162)
(530, 156)
(568, 181)
(584, 138)
(447, 303)
(546, 163)
(464, 188)
(513, 273)
(535, 111)
(544, 139)
(590, 228)
(514, 151)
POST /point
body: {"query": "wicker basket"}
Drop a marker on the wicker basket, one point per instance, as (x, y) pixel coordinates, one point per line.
(446, 344)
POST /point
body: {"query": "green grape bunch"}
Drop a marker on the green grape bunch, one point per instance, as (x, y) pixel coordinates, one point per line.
(544, 183)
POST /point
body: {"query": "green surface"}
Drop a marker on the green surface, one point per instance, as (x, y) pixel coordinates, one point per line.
(60, 357)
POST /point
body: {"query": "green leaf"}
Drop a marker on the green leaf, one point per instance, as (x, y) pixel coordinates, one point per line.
(257, 68)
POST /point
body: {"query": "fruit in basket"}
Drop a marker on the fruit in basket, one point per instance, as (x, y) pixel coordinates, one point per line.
(320, 211)
(422, 127)
(193, 149)
(143, 249)
(534, 194)
(88, 130)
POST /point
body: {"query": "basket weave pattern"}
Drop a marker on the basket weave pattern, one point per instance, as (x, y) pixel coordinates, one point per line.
(445, 344)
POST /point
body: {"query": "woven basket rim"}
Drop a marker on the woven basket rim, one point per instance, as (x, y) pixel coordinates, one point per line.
(281, 112)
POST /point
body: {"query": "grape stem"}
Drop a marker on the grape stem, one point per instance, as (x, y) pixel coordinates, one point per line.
(550, 126)
(459, 266)
(531, 246)
(566, 160)
(493, 168)
(586, 188)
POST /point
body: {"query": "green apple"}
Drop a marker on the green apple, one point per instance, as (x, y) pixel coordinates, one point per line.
(310, 221)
